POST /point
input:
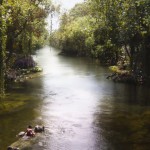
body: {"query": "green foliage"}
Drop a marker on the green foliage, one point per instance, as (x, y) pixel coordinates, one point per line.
(75, 35)
(28, 24)
(3, 38)
(22, 29)
(106, 29)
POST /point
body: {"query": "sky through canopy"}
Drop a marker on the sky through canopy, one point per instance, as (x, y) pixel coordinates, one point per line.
(65, 5)
(68, 4)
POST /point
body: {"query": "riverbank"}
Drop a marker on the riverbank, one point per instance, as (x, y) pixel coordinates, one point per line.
(126, 76)
(20, 75)
(13, 103)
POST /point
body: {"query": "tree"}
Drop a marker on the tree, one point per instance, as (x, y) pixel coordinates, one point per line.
(22, 28)
(126, 24)
(28, 23)
(75, 34)
(3, 38)
(110, 30)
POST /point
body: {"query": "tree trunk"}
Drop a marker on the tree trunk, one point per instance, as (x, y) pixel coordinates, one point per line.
(146, 58)
(9, 47)
(2, 50)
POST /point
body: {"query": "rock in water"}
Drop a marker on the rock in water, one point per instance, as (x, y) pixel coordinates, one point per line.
(25, 142)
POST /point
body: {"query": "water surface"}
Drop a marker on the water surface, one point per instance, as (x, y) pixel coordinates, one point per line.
(80, 108)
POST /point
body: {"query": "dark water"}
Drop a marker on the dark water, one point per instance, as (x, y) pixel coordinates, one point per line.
(80, 108)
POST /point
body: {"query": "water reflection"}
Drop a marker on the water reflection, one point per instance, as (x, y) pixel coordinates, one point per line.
(71, 87)
(13, 123)
(16, 121)
(80, 108)
(85, 111)
(123, 118)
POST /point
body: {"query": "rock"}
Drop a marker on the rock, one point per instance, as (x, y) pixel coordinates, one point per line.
(39, 129)
(21, 134)
(26, 142)
(24, 62)
(12, 148)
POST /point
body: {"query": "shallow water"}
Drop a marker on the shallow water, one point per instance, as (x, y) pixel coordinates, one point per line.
(80, 108)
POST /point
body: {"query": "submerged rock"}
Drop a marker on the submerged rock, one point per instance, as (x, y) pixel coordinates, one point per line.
(26, 142)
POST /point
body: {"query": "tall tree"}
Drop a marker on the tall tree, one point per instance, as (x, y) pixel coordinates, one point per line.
(2, 47)
(107, 30)
(22, 26)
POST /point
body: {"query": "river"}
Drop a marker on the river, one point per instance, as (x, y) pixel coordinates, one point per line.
(80, 108)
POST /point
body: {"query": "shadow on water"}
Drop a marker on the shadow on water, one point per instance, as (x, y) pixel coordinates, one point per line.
(123, 118)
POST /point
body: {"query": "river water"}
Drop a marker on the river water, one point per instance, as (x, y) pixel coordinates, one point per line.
(80, 108)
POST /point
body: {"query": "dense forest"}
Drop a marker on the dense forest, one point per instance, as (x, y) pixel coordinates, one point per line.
(116, 32)
(22, 30)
